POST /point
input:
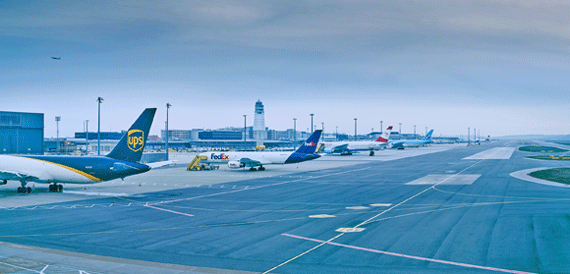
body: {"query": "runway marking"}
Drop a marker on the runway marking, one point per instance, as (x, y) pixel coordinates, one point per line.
(261, 186)
(378, 205)
(357, 207)
(379, 214)
(446, 179)
(408, 256)
(150, 229)
(350, 229)
(497, 153)
(322, 216)
(171, 211)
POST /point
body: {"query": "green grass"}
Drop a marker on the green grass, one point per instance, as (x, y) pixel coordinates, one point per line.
(542, 149)
(551, 157)
(559, 175)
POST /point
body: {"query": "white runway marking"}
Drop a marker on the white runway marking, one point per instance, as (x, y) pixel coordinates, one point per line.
(350, 229)
(377, 205)
(409, 256)
(497, 153)
(445, 179)
(356, 207)
(322, 216)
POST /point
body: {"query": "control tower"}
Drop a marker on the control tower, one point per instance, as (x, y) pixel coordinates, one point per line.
(259, 132)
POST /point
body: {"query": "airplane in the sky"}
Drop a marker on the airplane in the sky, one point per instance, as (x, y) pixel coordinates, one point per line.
(348, 147)
(257, 160)
(56, 58)
(413, 143)
(123, 161)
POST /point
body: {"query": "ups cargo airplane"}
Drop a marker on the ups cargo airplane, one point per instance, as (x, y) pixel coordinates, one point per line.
(123, 161)
(252, 160)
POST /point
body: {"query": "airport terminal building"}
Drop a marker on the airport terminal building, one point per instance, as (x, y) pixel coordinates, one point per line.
(21, 133)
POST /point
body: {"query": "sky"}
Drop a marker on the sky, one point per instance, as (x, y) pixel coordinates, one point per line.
(499, 66)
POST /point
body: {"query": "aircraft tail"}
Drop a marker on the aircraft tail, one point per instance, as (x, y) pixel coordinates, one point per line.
(428, 136)
(311, 144)
(385, 137)
(130, 147)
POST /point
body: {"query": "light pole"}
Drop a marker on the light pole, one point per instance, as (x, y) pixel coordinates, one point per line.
(414, 131)
(381, 128)
(312, 122)
(468, 136)
(99, 100)
(168, 105)
(336, 135)
(355, 119)
(400, 132)
(244, 131)
(86, 137)
(294, 134)
(57, 119)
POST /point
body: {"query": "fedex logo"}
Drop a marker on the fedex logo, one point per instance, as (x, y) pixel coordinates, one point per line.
(221, 156)
(310, 144)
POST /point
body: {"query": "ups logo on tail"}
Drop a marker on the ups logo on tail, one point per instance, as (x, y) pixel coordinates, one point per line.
(135, 139)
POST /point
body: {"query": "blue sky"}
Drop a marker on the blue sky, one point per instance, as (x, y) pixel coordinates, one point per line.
(499, 66)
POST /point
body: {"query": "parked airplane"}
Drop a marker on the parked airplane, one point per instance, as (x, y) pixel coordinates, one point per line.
(252, 160)
(54, 169)
(348, 147)
(413, 143)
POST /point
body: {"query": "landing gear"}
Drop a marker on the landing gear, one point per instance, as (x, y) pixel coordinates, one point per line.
(55, 188)
(252, 169)
(4, 182)
(371, 153)
(24, 189)
(261, 168)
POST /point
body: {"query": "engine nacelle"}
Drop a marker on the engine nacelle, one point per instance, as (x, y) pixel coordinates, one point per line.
(235, 164)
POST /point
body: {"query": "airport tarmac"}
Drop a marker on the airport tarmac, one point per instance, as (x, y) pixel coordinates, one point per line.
(437, 209)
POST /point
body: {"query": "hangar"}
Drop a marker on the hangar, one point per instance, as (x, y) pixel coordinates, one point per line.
(21, 133)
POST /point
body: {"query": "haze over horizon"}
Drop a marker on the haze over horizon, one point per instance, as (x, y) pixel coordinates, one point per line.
(501, 67)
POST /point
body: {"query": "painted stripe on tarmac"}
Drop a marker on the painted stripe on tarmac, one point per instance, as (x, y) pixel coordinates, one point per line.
(409, 256)
(171, 211)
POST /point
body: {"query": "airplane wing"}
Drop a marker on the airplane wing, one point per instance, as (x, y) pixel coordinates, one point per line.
(160, 164)
(249, 162)
(398, 144)
(338, 148)
(14, 175)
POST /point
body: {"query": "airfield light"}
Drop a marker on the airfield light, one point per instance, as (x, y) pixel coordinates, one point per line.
(312, 122)
(294, 134)
(99, 100)
(336, 135)
(168, 105)
(57, 119)
(355, 119)
(244, 132)
(87, 137)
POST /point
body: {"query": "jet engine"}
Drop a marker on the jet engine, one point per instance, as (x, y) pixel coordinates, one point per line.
(235, 164)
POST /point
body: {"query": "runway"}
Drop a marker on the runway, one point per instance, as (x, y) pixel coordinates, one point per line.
(439, 209)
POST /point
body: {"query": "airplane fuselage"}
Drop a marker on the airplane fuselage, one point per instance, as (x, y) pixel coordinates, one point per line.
(265, 158)
(66, 169)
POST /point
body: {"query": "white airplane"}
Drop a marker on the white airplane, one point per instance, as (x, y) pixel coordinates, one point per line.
(123, 161)
(348, 147)
(252, 160)
(414, 143)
